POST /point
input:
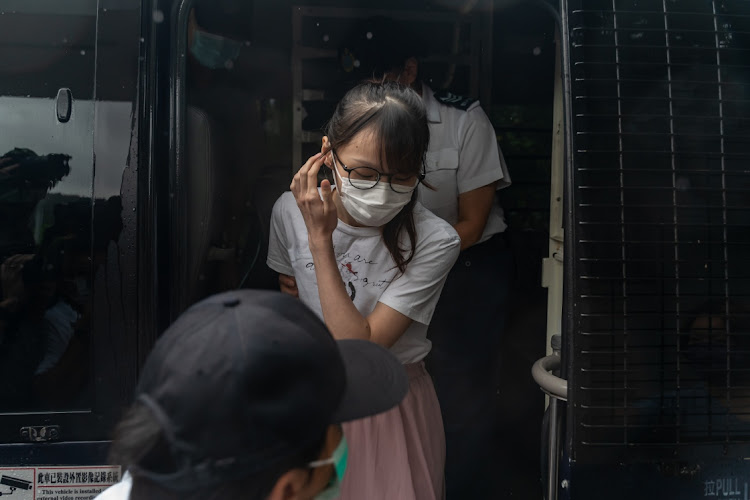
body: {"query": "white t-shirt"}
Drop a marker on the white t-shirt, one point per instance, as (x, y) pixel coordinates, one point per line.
(368, 270)
(462, 156)
(119, 491)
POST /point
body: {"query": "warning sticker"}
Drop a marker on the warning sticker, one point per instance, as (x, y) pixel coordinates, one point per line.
(57, 483)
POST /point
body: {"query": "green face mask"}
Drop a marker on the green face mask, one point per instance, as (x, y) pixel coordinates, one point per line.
(338, 460)
(214, 51)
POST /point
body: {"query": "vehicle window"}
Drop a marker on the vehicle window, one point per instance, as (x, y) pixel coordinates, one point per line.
(46, 206)
(68, 318)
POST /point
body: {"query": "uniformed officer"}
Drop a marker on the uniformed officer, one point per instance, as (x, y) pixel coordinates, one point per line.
(467, 169)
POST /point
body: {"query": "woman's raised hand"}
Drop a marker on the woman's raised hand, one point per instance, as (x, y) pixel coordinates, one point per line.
(318, 209)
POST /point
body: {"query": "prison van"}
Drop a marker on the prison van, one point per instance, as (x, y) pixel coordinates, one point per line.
(137, 178)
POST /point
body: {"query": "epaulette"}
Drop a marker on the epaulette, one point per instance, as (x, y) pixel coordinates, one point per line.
(454, 100)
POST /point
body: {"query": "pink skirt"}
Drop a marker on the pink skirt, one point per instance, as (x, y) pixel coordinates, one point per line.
(399, 454)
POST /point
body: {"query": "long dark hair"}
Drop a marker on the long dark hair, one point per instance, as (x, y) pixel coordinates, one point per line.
(139, 440)
(396, 116)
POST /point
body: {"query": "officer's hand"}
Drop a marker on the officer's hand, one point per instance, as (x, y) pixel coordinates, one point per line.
(288, 285)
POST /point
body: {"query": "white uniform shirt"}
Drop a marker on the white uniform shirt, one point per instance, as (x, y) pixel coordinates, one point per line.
(462, 156)
(368, 270)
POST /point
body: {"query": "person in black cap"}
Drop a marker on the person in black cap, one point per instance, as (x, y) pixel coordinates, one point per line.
(241, 398)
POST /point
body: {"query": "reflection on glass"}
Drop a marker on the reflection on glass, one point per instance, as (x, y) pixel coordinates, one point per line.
(46, 177)
(47, 253)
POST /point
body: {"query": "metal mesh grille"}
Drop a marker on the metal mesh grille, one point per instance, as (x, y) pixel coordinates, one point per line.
(661, 103)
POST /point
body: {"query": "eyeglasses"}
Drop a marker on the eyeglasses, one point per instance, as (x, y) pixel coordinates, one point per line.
(367, 178)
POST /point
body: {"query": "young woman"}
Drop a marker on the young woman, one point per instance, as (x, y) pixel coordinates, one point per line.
(372, 262)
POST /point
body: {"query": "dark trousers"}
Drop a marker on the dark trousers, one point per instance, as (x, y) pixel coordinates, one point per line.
(466, 330)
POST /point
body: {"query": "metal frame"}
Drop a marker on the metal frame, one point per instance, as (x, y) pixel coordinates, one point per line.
(552, 269)
(608, 446)
(177, 105)
(570, 268)
(558, 268)
(542, 371)
(148, 265)
(557, 390)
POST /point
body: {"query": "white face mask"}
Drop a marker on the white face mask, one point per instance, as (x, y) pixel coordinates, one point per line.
(372, 207)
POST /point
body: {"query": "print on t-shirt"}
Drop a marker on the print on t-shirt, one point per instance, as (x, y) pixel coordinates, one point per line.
(355, 271)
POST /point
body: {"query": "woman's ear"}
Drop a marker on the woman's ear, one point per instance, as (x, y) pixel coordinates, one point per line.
(326, 150)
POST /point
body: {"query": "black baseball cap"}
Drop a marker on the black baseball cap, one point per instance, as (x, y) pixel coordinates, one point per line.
(248, 378)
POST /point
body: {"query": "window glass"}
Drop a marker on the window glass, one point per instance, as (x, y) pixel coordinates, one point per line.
(47, 254)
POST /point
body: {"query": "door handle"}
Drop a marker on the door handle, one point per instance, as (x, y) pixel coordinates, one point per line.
(64, 105)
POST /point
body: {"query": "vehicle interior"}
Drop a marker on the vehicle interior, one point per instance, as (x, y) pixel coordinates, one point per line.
(253, 120)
